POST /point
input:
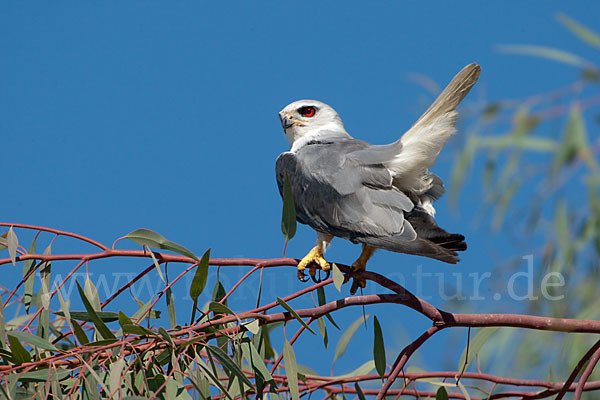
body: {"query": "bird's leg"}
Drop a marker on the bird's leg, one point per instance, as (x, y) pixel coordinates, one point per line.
(316, 256)
(361, 264)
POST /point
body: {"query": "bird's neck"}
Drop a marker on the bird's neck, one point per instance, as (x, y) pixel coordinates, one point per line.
(318, 136)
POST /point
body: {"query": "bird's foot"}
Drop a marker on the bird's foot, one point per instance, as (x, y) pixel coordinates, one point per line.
(314, 256)
(357, 266)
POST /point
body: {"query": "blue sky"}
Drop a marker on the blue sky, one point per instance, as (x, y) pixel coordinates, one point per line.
(122, 115)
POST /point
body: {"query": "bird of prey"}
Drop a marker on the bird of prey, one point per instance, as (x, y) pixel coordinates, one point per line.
(378, 195)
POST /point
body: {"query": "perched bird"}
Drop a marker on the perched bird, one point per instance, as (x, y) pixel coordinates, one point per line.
(378, 195)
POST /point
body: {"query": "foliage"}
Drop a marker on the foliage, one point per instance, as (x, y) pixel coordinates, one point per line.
(540, 184)
(52, 349)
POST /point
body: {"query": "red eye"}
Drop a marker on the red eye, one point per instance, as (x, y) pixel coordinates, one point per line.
(308, 111)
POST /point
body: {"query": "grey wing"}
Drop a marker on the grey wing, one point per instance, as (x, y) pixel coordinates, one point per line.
(335, 194)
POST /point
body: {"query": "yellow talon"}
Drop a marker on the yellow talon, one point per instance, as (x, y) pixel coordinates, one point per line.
(361, 264)
(316, 256)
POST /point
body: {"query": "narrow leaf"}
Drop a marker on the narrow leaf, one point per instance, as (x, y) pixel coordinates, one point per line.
(13, 243)
(587, 35)
(228, 363)
(253, 326)
(474, 346)
(171, 308)
(114, 378)
(43, 375)
(98, 323)
(359, 392)
(92, 294)
(80, 333)
(199, 281)
(2, 326)
(124, 319)
(157, 241)
(378, 348)
(441, 394)
(322, 301)
(3, 244)
(291, 370)
(340, 349)
(294, 314)
(288, 215)
(28, 266)
(18, 351)
(545, 52)
(157, 265)
(338, 277)
(34, 340)
(364, 369)
(106, 316)
(257, 362)
(323, 331)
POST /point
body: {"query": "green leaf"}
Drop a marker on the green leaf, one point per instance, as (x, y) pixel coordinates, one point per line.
(545, 52)
(228, 363)
(138, 330)
(79, 333)
(219, 293)
(199, 281)
(291, 370)
(253, 326)
(171, 308)
(13, 243)
(364, 369)
(474, 346)
(294, 314)
(115, 380)
(92, 294)
(124, 319)
(288, 215)
(34, 340)
(103, 342)
(464, 391)
(44, 375)
(323, 331)
(574, 143)
(157, 266)
(340, 349)
(166, 335)
(212, 377)
(143, 311)
(219, 308)
(18, 351)
(441, 394)
(359, 392)
(587, 35)
(100, 326)
(338, 277)
(28, 266)
(105, 316)
(157, 241)
(2, 326)
(322, 301)
(253, 358)
(3, 243)
(378, 348)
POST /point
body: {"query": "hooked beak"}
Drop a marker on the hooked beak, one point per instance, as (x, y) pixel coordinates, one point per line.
(287, 122)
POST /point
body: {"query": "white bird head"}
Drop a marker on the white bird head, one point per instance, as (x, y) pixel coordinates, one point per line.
(307, 120)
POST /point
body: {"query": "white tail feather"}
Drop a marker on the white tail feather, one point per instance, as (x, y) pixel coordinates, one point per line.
(424, 141)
